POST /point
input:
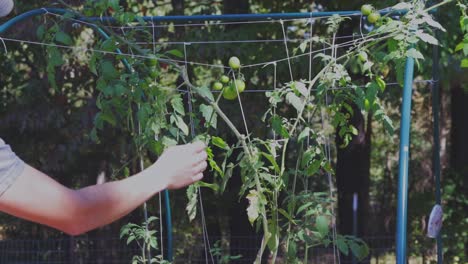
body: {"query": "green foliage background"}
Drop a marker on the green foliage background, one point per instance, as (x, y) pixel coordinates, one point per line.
(50, 102)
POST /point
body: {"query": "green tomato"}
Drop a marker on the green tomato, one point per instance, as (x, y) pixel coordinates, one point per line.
(217, 86)
(373, 17)
(362, 56)
(224, 79)
(367, 9)
(153, 74)
(239, 85)
(229, 93)
(366, 104)
(385, 70)
(234, 63)
(151, 61)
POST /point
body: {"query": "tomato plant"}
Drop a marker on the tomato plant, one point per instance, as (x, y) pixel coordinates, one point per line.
(136, 98)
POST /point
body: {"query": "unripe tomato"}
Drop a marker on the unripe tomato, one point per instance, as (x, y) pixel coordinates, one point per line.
(373, 17)
(367, 9)
(366, 104)
(217, 86)
(239, 85)
(229, 93)
(362, 56)
(234, 63)
(152, 61)
(224, 79)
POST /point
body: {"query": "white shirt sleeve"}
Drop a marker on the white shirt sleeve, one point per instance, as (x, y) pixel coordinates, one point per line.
(10, 167)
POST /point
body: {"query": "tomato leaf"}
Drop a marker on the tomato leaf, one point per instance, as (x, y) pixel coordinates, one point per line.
(192, 195)
(219, 142)
(177, 104)
(414, 53)
(278, 127)
(322, 223)
(63, 38)
(176, 53)
(342, 245)
(210, 116)
(253, 208)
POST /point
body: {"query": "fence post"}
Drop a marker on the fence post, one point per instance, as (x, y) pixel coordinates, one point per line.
(403, 163)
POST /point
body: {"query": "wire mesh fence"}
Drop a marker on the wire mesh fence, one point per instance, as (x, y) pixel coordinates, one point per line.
(86, 250)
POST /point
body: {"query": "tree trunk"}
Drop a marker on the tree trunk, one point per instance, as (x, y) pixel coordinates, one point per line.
(459, 139)
(352, 176)
(236, 7)
(459, 131)
(178, 7)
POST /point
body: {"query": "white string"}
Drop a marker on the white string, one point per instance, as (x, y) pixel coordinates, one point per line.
(336, 253)
(194, 63)
(206, 239)
(232, 22)
(287, 50)
(240, 106)
(142, 167)
(159, 194)
(4, 45)
(222, 41)
(92, 25)
(309, 117)
(360, 26)
(345, 44)
(310, 47)
(296, 40)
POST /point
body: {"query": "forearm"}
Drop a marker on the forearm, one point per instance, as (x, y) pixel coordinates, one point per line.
(35, 196)
(38, 198)
(102, 204)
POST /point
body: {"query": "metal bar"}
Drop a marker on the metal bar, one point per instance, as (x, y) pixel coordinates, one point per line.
(59, 11)
(226, 17)
(404, 144)
(403, 163)
(436, 138)
(168, 226)
(236, 17)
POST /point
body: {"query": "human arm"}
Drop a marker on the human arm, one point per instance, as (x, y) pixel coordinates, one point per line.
(36, 197)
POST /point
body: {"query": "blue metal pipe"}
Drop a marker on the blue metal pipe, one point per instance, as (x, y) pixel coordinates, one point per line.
(404, 144)
(236, 17)
(168, 226)
(404, 162)
(226, 17)
(5, 26)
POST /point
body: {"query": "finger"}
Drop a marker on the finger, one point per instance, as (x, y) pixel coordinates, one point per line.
(200, 167)
(197, 177)
(199, 157)
(198, 146)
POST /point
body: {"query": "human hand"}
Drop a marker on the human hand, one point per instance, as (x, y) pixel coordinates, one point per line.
(181, 165)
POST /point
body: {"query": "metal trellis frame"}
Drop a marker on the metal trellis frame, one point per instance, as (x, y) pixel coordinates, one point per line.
(401, 235)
